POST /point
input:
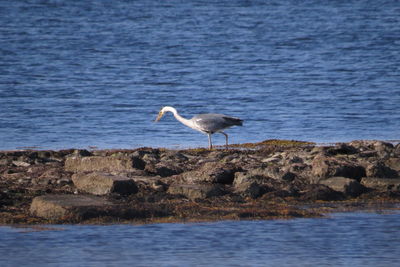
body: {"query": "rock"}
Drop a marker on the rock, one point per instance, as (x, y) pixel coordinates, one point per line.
(163, 169)
(20, 163)
(288, 176)
(368, 154)
(393, 163)
(69, 207)
(271, 171)
(211, 172)
(271, 160)
(345, 185)
(5, 161)
(342, 148)
(324, 167)
(99, 163)
(254, 186)
(250, 189)
(379, 169)
(82, 153)
(396, 150)
(153, 182)
(99, 183)
(246, 177)
(320, 192)
(383, 149)
(381, 184)
(196, 191)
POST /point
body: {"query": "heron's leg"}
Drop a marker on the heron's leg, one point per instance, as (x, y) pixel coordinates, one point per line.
(226, 139)
(209, 141)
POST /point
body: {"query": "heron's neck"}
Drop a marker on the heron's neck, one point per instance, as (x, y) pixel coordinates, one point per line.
(186, 122)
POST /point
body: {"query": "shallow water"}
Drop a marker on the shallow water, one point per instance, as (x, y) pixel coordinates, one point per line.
(95, 73)
(343, 239)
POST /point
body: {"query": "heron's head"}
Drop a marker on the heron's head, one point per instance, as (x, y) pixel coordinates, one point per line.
(160, 115)
(165, 110)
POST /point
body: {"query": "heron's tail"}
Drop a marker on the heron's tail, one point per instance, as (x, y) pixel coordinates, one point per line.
(234, 121)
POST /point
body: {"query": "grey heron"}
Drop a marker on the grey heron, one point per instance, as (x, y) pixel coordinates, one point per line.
(205, 123)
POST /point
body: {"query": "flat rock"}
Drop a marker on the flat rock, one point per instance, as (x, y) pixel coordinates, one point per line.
(69, 207)
(106, 164)
(99, 183)
(195, 191)
(345, 185)
(381, 184)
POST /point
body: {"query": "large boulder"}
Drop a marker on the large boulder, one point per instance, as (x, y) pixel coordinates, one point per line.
(106, 164)
(347, 186)
(99, 183)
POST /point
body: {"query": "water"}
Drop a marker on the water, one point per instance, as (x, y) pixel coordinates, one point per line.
(345, 239)
(95, 73)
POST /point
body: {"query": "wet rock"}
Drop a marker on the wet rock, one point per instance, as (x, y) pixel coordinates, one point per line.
(196, 191)
(325, 167)
(381, 184)
(379, 169)
(69, 207)
(315, 192)
(107, 164)
(345, 185)
(99, 183)
(211, 172)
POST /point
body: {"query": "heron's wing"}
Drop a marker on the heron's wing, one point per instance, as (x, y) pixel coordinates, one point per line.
(215, 122)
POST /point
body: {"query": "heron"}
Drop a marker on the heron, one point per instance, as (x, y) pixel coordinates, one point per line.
(206, 123)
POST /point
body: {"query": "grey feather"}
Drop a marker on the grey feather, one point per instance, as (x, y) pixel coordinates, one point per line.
(211, 123)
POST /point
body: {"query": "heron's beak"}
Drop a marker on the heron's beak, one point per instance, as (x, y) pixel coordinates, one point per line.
(160, 114)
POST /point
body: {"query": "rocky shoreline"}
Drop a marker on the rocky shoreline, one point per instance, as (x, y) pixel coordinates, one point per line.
(267, 180)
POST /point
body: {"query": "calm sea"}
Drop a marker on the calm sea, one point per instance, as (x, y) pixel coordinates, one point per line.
(95, 73)
(345, 239)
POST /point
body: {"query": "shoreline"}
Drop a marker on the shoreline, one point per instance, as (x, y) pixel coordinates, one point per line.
(272, 179)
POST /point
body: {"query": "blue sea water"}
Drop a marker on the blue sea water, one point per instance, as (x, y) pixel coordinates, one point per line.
(344, 239)
(95, 73)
